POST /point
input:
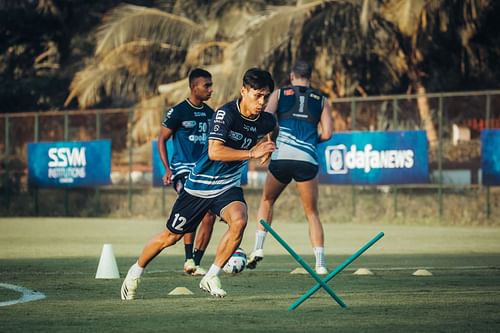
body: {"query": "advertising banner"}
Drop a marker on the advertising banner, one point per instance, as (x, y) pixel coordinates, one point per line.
(159, 169)
(490, 156)
(374, 158)
(69, 163)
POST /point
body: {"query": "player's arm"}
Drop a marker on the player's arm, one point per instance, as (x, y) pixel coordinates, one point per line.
(217, 151)
(326, 122)
(272, 103)
(165, 134)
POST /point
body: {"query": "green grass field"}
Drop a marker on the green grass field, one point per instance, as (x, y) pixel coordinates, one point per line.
(59, 257)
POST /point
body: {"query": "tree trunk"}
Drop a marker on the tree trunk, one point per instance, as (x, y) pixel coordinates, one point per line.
(426, 114)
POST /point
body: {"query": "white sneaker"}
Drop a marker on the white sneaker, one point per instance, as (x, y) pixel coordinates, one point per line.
(212, 285)
(254, 258)
(189, 266)
(321, 270)
(129, 288)
(199, 271)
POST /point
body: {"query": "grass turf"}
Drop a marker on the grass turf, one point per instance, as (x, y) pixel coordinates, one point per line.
(463, 295)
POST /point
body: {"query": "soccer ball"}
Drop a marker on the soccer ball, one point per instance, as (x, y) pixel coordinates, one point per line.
(237, 262)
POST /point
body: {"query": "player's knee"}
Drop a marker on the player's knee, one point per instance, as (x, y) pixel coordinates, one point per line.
(168, 239)
(239, 223)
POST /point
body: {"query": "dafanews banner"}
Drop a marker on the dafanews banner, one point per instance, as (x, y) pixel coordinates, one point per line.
(490, 156)
(69, 164)
(374, 158)
(159, 169)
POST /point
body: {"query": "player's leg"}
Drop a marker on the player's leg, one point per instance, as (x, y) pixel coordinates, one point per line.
(157, 244)
(308, 191)
(203, 236)
(184, 218)
(232, 208)
(271, 192)
(189, 263)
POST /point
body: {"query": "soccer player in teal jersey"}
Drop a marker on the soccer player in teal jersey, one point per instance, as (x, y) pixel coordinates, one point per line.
(239, 131)
(300, 109)
(187, 125)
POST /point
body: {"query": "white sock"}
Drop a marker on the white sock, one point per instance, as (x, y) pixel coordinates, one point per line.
(260, 237)
(214, 270)
(319, 253)
(135, 271)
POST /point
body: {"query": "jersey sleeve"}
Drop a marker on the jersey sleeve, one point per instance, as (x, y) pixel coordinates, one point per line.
(171, 120)
(220, 125)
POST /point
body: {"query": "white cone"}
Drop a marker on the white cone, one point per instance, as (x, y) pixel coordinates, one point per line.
(363, 271)
(299, 270)
(422, 272)
(181, 291)
(107, 268)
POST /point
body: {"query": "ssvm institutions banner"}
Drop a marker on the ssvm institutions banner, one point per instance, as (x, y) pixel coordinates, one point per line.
(374, 158)
(69, 163)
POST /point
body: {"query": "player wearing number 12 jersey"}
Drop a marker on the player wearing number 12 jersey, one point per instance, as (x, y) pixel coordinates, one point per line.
(239, 131)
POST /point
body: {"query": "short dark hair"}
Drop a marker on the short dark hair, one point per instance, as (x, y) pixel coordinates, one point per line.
(256, 78)
(198, 72)
(302, 69)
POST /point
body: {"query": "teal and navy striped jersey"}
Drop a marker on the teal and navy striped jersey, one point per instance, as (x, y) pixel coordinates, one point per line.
(189, 125)
(299, 112)
(211, 178)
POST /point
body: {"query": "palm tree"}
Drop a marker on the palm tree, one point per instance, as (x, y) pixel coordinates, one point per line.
(358, 47)
(421, 27)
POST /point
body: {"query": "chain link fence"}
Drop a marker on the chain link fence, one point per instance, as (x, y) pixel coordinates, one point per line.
(454, 193)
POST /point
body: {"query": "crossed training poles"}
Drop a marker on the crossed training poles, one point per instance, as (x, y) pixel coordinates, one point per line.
(322, 283)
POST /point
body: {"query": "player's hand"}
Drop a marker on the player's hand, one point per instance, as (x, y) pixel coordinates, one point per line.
(263, 150)
(167, 178)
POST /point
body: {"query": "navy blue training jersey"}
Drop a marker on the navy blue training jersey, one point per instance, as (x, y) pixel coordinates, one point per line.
(299, 112)
(211, 178)
(189, 124)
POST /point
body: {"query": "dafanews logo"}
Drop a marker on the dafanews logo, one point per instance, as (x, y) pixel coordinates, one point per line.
(339, 160)
(67, 164)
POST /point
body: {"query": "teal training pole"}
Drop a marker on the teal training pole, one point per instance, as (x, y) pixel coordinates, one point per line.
(339, 269)
(304, 264)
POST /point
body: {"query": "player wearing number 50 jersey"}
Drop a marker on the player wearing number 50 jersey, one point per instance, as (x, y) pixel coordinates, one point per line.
(214, 184)
(186, 124)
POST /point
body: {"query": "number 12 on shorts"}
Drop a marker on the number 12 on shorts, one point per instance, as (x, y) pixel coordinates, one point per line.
(178, 222)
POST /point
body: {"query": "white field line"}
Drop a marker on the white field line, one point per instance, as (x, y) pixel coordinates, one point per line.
(28, 295)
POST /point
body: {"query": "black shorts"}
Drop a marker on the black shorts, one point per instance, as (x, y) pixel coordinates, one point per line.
(179, 181)
(188, 210)
(286, 170)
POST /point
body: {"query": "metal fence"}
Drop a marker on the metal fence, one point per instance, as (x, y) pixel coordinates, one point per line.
(454, 159)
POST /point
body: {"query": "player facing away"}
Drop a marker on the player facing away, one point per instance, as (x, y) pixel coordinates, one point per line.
(299, 109)
(239, 131)
(187, 125)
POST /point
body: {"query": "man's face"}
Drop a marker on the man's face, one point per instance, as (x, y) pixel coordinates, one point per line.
(201, 87)
(254, 100)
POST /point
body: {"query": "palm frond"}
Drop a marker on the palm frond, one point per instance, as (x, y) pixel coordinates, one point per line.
(130, 23)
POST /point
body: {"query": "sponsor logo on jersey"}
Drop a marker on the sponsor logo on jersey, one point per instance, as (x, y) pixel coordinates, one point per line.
(169, 113)
(250, 128)
(313, 95)
(202, 138)
(235, 136)
(189, 123)
(200, 114)
(288, 92)
(220, 115)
